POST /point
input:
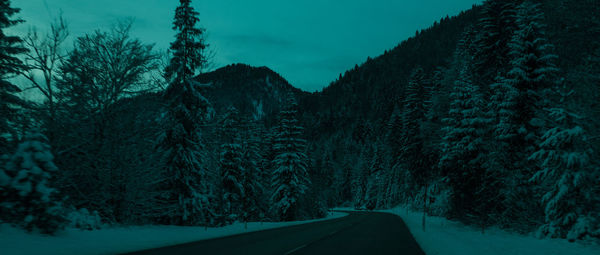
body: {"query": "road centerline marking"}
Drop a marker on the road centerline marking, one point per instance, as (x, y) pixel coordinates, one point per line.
(296, 249)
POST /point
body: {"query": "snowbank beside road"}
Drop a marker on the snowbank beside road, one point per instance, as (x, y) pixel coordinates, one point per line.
(123, 239)
(444, 237)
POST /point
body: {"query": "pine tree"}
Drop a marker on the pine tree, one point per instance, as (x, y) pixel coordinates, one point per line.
(323, 175)
(491, 44)
(412, 135)
(394, 144)
(231, 169)
(532, 74)
(392, 186)
(253, 205)
(503, 103)
(462, 153)
(188, 49)
(375, 191)
(532, 67)
(187, 188)
(290, 177)
(394, 135)
(502, 160)
(345, 184)
(435, 102)
(188, 192)
(569, 201)
(10, 65)
(360, 177)
(26, 193)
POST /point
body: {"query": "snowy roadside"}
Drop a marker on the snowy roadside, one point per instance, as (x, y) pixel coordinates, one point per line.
(123, 239)
(444, 237)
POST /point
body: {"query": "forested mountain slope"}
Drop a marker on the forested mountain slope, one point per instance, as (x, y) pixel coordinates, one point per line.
(475, 116)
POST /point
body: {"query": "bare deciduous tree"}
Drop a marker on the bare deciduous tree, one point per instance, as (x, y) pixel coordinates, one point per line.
(106, 66)
(44, 57)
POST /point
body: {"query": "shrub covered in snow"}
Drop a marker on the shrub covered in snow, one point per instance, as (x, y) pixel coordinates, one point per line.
(84, 219)
(26, 195)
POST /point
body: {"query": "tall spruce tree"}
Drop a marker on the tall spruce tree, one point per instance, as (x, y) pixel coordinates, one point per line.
(323, 174)
(394, 144)
(290, 179)
(188, 192)
(376, 183)
(394, 135)
(345, 184)
(462, 154)
(502, 159)
(532, 75)
(253, 202)
(412, 117)
(491, 43)
(10, 65)
(532, 69)
(569, 201)
(360, 177)
(231, 169)
(188, 50)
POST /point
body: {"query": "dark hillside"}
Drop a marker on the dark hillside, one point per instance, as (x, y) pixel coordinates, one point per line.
(254, 91)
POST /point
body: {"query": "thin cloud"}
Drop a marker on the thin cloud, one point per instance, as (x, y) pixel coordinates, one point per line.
(309, 42)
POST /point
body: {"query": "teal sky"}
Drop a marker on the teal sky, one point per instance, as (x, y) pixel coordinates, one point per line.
(308, 42)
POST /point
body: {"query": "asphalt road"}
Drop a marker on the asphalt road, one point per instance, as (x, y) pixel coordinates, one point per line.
(358, 233)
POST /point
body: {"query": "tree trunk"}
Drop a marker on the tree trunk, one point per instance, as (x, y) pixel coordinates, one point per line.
(424, 208)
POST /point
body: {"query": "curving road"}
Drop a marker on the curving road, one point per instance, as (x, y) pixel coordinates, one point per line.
(357, 233)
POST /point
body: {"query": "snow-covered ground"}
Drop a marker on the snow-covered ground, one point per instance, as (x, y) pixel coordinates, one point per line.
(122, 239)
(444, 237)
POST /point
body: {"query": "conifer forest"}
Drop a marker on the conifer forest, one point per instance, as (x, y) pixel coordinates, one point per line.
(489, 119)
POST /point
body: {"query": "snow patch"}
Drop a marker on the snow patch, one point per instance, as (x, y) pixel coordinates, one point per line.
(115, 240)
(444, 237)
(259, 112)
